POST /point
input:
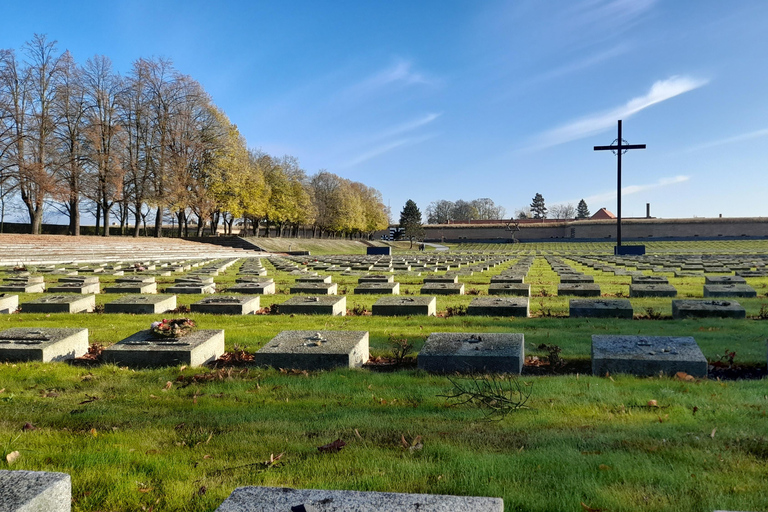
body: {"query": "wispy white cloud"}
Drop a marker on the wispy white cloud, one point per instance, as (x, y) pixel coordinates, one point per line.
(596, 123)
(607, 15)
(728, 140)
(385, 148)
(401, 73)
(408, 125)
(604, 197)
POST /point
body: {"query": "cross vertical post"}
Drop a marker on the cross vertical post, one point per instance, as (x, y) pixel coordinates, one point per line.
(619, 147)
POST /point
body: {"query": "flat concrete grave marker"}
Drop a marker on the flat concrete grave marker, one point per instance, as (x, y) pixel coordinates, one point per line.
(576, 278)
(724, 280)
(141, 304)
(144, 349)
(405, 306)
(707, 309)
(729, 290)
(652, 290)
(42, 344)
(647, 355)
(227, 305)
(579, 289)
(499, 306)
(282, 499)
(314, 279)
(442, 289)
(441, 279)
(376, 279)
(254, 279)
(517, 289)
(254, 287)
(315, 350)
(74, 287)
(378, 288)
(60, 304)
(196, 280)
(649, 280)
(315, 288)
(507, 279)
(447, 352)
(335, 306)
(35, 491)
(146, 288)
(8, 303)
(22, 287)
(136, 279)
(600, 308)
(195, 288)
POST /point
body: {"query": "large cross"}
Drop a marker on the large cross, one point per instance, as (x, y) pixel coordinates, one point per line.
(619, 146)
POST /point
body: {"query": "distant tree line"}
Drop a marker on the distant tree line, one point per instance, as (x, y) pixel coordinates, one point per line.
(148, 145)
(443, 211)
(538, 210)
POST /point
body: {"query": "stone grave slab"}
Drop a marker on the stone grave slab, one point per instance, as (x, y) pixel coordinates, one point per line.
(752, 273)
(81, 288)
(576, 278)
(442, 289)
(282, 499)
(649, 280)
(652, 290)
(507, 279)
(196, 280)
(579, 289)
(35, 491)
(136, 279)
(405, 306)
(145, 350)
(707, 309)
(141, 304)
(729, 290)
(261, 288)
(378, 288)
(146, 288)
(314, 279)
(315, 288)
(441, 279)
(317, 305)
(724, 280)
(647, 355)
(254, 279)
(499, 306)
(60, 304)
(194, 288)
(227, 305)
(22, 287)
(448, 352)
(80, 279)
(42, 344)
(600, 308)
(517, 289)
(315, 350)
(8, 303)
(376, 279)
(25, 279)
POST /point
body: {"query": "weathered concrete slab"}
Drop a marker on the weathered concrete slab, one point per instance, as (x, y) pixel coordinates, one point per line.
(315, 288)
(376, 279)
(141, 304)
(281, 499)
(227, 305)
(74, 287)
(516, 289)
(35, 491)
(707, 309)
(579, 289)
(145, 350)
(442, 289)
(647, 355)
(145, 288)
(322, 305)
(650, 280)
(447, 352)
(652, 290)
(22, 287)
(729, 290)
(576, 278)
(60, 304)
(260, 288)
(314, 279)
(42, 344)
(8, 303)
(315, 350)
(405, 306)
(724, 280)
(600, 308)
(441, 279)
(189, 287)
(499, 306)
(378, 288)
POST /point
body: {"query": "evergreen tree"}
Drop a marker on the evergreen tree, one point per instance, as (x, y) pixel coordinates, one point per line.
(410, 221)
(582, 211)
(538, 209)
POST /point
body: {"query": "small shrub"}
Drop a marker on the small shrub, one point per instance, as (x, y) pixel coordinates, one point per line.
(98, 308)
(401, 348)
(763, 313)
(358, 310)
(652, 313)
(553, 355)
(455, 311)
(474, 291)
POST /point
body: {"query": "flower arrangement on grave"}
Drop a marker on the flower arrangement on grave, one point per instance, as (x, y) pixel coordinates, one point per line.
(172, 328)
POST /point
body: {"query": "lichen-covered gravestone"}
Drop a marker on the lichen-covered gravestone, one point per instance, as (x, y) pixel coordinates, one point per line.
(600, 308)
(227, 305)
(282, 499)
(315, 350)
(8, 303)
(647, 355)
(707, 309)
(446, 352)
(35, 491)
(42, 344)
(60, 304)
(144, 349)
(579, 289)
(141, 304)
(405, 306)
(499, 306)
(323, 305)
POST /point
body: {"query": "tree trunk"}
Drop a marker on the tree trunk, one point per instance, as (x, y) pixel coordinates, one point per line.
(106, 220)
(74, 217)
(98, 217)
(159, 222)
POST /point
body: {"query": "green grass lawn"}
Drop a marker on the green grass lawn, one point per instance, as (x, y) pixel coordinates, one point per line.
(131, 441)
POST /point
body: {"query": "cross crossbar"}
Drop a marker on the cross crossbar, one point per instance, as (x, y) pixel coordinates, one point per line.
(622, 146)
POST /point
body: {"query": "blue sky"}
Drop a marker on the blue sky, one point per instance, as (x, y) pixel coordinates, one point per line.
(450, 99)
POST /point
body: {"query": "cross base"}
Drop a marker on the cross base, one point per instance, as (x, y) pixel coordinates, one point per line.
(629, 250)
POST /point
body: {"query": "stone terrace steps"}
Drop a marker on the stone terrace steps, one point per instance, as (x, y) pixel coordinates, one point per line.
(52, 249)
(234, 242)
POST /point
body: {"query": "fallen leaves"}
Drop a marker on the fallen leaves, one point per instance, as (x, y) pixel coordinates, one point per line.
(28, 426)
(12, 457)
(332, 447)
(684, 377)
(712, 435)
(652, 403)
(413, 446)
(168, 385)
